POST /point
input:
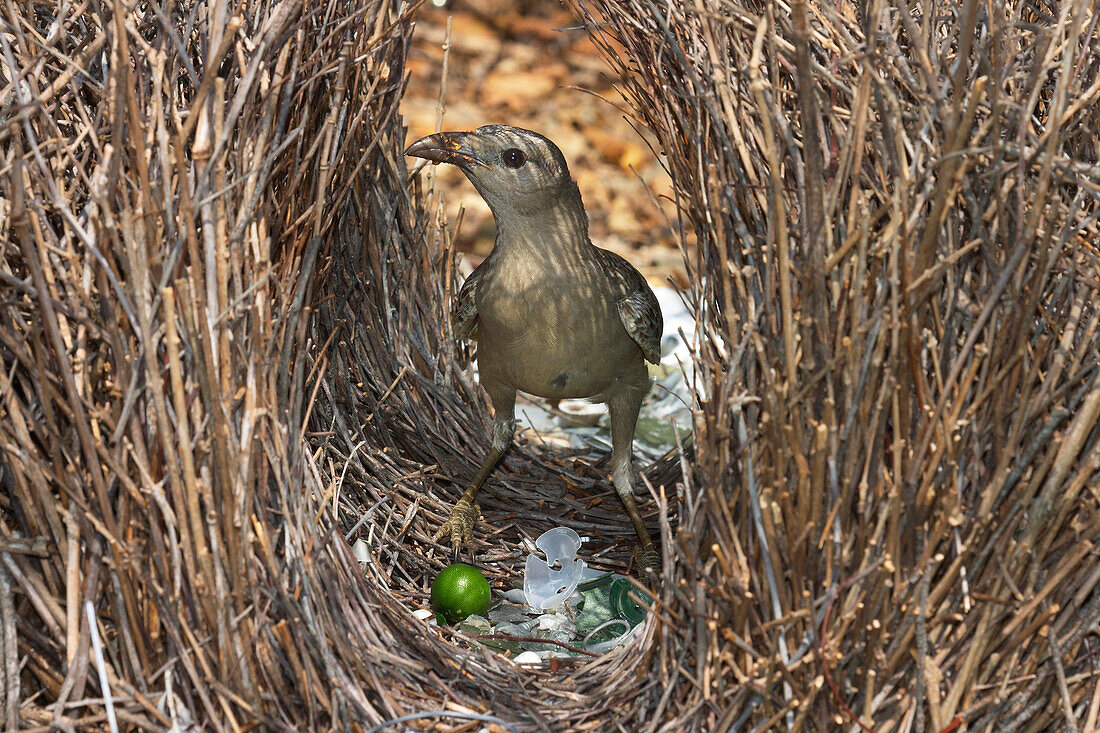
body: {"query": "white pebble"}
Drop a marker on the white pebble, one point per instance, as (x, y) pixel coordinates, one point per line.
(361, 550)
(515, 595)
(425, 614)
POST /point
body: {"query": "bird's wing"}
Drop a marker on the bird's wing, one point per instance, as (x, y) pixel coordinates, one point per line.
(641, 315)
(638, 307)
(465, 315)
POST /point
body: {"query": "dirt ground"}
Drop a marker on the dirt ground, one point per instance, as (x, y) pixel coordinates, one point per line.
(530, 64)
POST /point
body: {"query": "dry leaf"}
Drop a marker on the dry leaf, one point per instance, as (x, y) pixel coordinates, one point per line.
(515, 90)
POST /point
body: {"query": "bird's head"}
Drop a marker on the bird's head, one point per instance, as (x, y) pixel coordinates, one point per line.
(514, 170)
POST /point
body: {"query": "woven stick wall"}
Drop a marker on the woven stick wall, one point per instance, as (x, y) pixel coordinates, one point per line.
(223, 333)
(896, 209)
(224, 337)
(172, 173)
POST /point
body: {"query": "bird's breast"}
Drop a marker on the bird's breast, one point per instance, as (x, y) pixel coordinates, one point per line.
(552, 334)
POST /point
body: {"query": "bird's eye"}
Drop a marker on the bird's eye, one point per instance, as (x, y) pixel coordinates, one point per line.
(514, 157)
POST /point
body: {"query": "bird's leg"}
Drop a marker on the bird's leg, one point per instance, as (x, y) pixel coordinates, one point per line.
(459, 526)
(624, 406)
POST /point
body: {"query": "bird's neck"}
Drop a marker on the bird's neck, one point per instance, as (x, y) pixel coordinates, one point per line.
(558, 228)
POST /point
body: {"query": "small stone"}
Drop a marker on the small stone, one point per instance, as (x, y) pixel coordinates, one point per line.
(507, 613)
(516, 595)
(423, 614)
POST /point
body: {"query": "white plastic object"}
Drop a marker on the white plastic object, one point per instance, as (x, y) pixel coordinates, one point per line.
(603, 647)
(547, 583)
(591, 573)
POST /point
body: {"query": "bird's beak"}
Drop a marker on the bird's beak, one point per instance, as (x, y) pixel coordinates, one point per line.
(446, 147)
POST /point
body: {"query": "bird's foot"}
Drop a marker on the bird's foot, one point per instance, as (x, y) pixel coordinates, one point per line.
(459, 527)
(647, 559)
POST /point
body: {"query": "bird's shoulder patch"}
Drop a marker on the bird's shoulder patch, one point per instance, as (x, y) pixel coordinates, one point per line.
(641, 316)
(465, 313)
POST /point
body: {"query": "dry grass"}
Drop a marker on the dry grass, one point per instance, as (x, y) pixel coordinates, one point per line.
(898, 390)
(174, 171)
(223, 340)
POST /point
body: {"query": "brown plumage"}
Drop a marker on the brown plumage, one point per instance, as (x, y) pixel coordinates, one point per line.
(554, 315)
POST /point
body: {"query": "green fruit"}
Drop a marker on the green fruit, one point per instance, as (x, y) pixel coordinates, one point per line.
(460, 590)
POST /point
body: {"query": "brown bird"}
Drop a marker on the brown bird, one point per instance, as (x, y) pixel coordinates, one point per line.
(553, 315)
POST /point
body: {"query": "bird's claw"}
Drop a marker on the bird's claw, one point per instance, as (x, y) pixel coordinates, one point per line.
(459, 526)
(647, 559)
